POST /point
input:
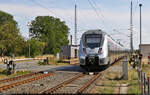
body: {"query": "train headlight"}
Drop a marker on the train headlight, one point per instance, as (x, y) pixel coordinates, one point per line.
(100, 50)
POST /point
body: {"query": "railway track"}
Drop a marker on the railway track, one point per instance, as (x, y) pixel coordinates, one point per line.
(81, 89)
(65, 83)
(53, 89)
(78, 84)
(88, 83)
(5, 87)
(18, 77)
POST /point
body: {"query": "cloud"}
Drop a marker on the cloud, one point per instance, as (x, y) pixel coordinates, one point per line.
(87, 19)
(69, 13)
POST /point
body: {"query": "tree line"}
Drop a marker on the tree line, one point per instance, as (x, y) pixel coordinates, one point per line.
(47, 35)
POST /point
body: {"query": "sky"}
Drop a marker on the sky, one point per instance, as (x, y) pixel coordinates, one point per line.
(111, 16)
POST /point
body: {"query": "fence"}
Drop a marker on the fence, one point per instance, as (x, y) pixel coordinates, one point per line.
(144, 82)
(143, 79)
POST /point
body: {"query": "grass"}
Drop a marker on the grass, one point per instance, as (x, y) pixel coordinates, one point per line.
(144, 60)
(133, 87)
(133, 82)
(111, 79)
(42, 63)
(62, 64)
(108, 90)
(22, 57)
(109, 82)
(20, 73)
(107, 87)
(4, 75)
(54, 61)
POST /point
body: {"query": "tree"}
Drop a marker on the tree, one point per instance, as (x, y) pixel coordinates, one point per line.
(50, 30)
(36, 47)
(11, 41)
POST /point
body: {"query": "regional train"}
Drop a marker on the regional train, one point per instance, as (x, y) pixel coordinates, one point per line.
(98, 49)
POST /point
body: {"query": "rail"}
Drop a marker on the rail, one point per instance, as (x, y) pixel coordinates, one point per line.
(18, 77)
(25, 81)
(88, 83)
(53, 89)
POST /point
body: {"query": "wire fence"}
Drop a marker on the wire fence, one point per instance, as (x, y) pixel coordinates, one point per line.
(144, 82)
(143, 79)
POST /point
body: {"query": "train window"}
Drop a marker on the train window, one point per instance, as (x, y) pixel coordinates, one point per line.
(93, 40)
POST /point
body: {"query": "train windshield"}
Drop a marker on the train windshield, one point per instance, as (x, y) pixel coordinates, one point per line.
(93, 40)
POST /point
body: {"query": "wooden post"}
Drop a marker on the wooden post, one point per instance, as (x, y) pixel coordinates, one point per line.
(148, 85)
(144, 83)
(125, 68)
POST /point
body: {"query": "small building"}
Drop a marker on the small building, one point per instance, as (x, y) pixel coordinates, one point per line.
(69, 51)
(145, 50)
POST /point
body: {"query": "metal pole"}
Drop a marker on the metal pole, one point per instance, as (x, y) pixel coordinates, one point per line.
(140, 5)
(140, 25)
(29, 36)
(131, 29)
(75, 24)
(29, 43)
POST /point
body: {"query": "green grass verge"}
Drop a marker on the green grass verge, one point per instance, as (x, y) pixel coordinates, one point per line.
(107, 87)
(133, 82)
(4, 75)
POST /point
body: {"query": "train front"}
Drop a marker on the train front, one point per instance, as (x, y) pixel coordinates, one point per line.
(93, 49)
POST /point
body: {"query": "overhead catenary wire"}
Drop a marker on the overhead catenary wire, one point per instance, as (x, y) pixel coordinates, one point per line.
(99, 14)
(97, 4)
(136, 6)
(95, 10)
(42, 6)
(52, 11)
(99, 11)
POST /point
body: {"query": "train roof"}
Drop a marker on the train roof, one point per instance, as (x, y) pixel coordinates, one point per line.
(96, 31)
(99, 31)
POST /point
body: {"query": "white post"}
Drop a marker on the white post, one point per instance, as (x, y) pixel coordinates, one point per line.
(57, 56)
(125, 68)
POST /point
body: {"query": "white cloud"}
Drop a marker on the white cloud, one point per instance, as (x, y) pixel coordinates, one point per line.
(86, 18)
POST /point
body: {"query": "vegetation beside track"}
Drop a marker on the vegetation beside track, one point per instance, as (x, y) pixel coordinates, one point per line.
(112, 82)
(47, 35)
(17, 73)
(61, 62)
(145, 69)
(54, 61)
